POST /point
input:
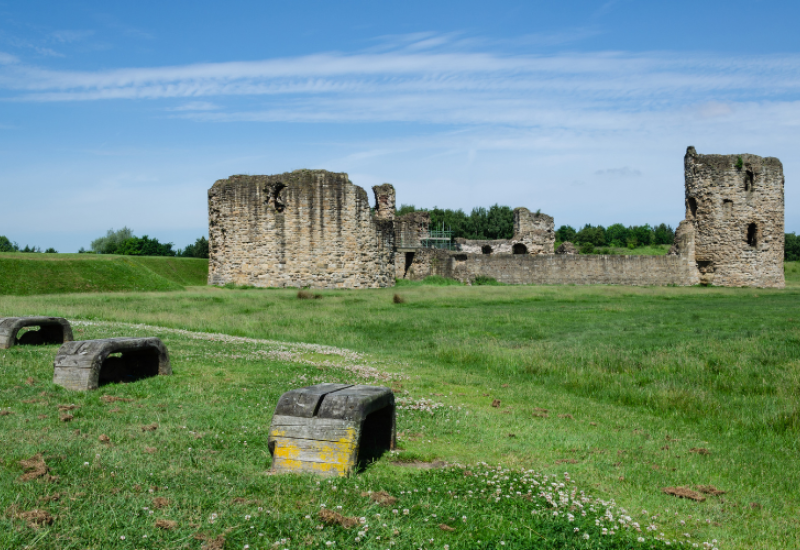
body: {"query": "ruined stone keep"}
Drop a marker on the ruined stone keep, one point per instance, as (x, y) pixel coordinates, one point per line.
(315, 228)
(304, 228)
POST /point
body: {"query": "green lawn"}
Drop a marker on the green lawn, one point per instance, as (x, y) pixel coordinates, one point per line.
(630, 390)
(31, 274)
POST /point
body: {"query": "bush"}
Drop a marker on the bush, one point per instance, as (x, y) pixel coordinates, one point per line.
(111, 242)
(197, 250)
(398, 299)
(587, 248)
(6, 245)
(144, 246)
(306, 295)
(791, 249)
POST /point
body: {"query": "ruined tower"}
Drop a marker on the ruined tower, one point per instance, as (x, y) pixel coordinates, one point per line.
(534, 232)
(303, 228)
(735, 208)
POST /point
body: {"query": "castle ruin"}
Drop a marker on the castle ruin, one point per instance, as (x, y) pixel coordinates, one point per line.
(316, 228)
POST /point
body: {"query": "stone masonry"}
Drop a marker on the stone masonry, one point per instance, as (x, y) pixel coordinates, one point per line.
(305, 228)
(315, 228)
(735, 209)
(534, 233)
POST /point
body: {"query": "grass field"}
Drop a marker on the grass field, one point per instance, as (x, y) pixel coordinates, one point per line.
(629, 390)
(29, 274)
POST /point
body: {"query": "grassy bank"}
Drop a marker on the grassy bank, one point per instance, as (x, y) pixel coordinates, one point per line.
(29, 274)
(630, 390)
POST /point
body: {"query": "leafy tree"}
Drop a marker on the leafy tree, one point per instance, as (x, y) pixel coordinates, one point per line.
(405, 209)
(197, 250)
(6, 245)
(791, 248)
(144, 246)
(641, 235)
(663, 234)
(51, 250)
(595, 235)
(566, 233)
(499, 222)
(617, 235)
(112, 241)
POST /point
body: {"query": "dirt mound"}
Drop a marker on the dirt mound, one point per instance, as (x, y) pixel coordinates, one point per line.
(683, 492)
(381, 497)
(330, 517)
(35, 468)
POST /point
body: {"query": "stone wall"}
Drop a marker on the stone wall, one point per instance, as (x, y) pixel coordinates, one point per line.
(315, 228)
(305, 228)
(561, 269)
(411, 228)
(534, 230)
(736, 207)
(534, 233)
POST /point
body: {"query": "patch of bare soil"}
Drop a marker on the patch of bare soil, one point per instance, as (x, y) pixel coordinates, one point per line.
(445, 527)
(211, 543)
(166, 524)
(330, 517)
(421, 465)
(709, 490)
(566, 461)
(63, 408)
(381, 497)
(539, 414)
(683, 492)
(160, 502)
(35, 518)
(568, 416)
(6, 412)
(30, 381)
(66, 417)
(150, 450)
(55, 497)
(700, 450)
(150, 427)
(35, 468)
(496, 403)
(114, 399)
(247, 501)
(104, 438)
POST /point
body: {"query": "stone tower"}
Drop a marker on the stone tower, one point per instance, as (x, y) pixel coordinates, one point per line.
(735, 205)
(303, 228)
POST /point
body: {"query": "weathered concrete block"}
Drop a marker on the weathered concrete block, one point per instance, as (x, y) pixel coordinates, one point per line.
(331, 429)
(52, 330)
(88, 364)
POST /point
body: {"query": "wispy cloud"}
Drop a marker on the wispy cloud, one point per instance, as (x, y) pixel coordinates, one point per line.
(422, 77)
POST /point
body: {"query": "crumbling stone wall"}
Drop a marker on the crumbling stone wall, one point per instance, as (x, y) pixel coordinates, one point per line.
(534, 230)
(315, 228)
(571, 269)
(734, 214)
(384, 201)
(303, 228)
(534, 233)
(411, 228)
(476, 246)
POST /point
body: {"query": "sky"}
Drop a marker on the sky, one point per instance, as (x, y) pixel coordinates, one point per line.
(120, 114)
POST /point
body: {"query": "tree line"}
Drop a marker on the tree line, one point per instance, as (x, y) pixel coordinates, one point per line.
(7, 246)
(124, 242)
(497, 222)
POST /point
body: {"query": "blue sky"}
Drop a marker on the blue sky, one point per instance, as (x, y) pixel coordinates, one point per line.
(116, 114)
